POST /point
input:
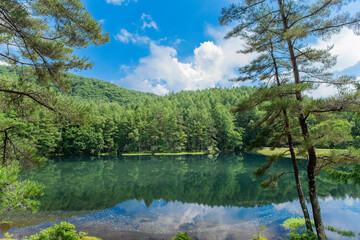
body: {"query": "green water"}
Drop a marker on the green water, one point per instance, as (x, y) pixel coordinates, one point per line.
(90, 192)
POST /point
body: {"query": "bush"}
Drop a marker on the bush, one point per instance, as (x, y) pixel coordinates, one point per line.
(64, 231)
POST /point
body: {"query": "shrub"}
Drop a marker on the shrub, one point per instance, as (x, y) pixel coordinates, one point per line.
(64, 231)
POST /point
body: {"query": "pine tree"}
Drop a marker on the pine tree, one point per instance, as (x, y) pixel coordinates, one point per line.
(287, 25)
(37, 38)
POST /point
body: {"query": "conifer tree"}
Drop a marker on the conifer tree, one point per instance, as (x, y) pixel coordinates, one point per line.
(287, 24)
(37, 38)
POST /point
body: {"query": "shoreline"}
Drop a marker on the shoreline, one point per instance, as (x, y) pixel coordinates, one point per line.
(162, 154)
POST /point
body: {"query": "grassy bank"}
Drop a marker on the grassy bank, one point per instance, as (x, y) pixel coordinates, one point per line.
(267, 151)
(163, 154)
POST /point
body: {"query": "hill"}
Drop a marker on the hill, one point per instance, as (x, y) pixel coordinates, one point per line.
(92, 89)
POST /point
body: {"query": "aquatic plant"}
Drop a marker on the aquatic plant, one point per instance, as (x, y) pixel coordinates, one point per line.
(304, 235)
(341, 232)
(182, 236)
(295, 223)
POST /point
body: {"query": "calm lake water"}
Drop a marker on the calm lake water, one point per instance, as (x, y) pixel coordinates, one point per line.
(156, 197)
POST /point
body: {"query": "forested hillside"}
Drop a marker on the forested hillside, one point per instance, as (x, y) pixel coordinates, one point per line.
(121, 121)
(185, 121)
(90, 88)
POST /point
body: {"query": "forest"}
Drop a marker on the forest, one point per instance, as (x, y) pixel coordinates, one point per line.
(125, 121)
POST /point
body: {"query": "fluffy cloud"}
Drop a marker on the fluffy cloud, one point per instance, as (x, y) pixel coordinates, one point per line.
(323, 91)
(4, 63)
(126, 37)
(119, 2)
(162, 72)
(346, 47)
(148, 22)
(212, 64)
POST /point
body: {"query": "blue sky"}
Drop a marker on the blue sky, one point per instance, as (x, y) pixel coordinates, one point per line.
(163, 46)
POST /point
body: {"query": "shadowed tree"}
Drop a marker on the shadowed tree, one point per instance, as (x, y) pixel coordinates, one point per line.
(37, 38)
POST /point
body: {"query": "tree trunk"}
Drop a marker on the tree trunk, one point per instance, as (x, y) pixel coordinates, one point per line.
(320, 229)
(292, 153)
(296, 175)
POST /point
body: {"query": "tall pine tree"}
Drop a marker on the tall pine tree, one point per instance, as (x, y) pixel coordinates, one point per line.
(287, 24)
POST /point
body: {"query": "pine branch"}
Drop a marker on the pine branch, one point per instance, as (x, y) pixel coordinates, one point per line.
(29, 95)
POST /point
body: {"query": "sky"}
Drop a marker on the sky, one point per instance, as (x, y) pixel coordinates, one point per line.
(164, 46)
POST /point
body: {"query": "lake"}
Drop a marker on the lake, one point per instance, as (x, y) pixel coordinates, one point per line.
(213, 197)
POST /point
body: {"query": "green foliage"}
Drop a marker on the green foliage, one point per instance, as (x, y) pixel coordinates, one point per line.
(102, 91)
(44, 33)
(295, 223)
(278, 32)
(64, 231)
(37, 40)
(16, 194)
(304, 235)
(82, 140)
(125, 121)
(182, 236)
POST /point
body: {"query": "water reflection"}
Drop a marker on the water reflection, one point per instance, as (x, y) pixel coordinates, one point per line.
(155, 197)
(75, 185)
(162, 219)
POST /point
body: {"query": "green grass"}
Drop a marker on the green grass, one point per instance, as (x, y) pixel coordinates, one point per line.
(268, 152)
(137, 154)
(163, 154)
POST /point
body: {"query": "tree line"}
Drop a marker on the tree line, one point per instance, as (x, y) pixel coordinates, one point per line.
(187, 121)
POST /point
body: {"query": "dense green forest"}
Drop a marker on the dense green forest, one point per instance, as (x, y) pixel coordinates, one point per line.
(119, 121)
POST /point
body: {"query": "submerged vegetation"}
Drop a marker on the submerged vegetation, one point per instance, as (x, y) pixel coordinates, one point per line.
(297, 223)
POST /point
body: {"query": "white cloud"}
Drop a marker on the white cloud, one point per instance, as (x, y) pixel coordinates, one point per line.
(119, 2)
(126, 37)
(346, 47)
(4, 63)
(212, 64)
(323, 91)
(162, 72)
(148, 22)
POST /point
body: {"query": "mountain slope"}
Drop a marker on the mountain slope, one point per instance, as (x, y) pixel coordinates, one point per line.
(93, 89)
